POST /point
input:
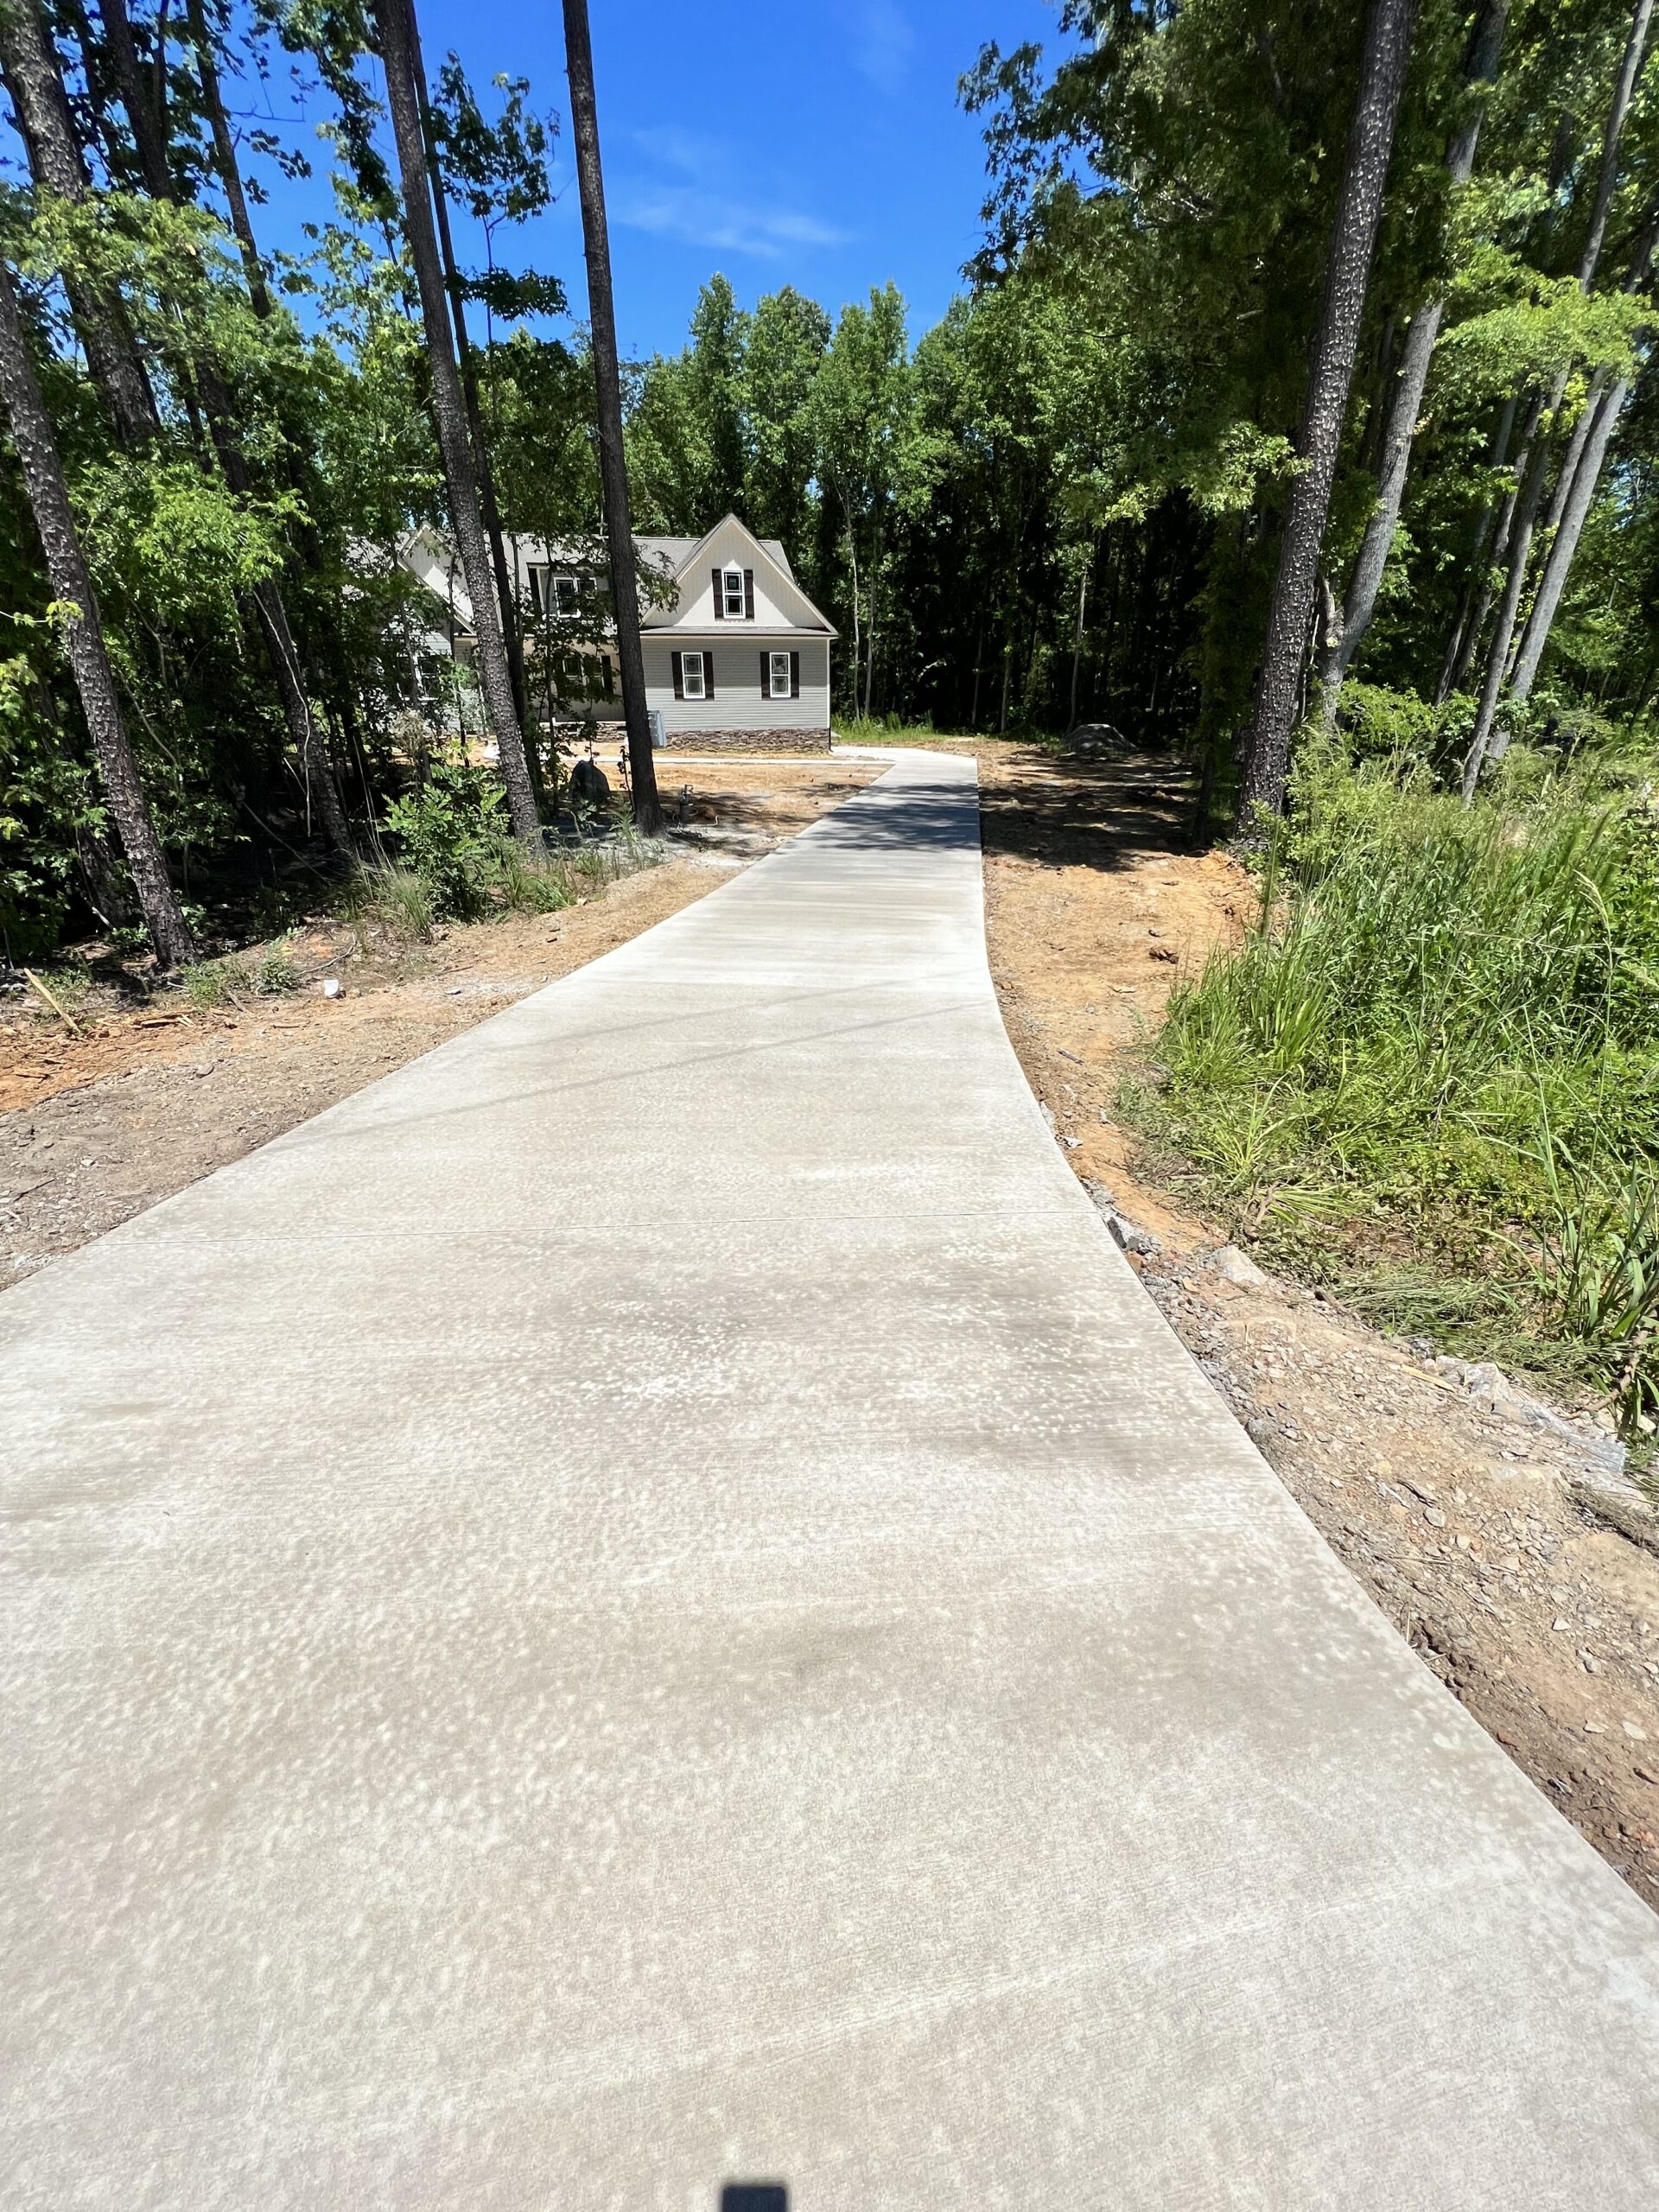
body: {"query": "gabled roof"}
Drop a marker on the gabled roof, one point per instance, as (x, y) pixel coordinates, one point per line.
(682, 555)
(675, 552)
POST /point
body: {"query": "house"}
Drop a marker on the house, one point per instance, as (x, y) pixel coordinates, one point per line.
(736, 656)
(739, 658)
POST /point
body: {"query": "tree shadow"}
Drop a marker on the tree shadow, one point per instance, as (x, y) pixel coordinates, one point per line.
(1062, 812)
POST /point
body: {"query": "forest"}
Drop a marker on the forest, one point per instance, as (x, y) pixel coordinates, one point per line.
(1295, 419)
(1067, 502)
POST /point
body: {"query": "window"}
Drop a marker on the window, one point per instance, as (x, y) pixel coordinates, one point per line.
(778, 672)
(692, 676)
(731, 585)
(551, 593)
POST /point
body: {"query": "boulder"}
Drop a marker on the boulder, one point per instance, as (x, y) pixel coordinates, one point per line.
(589, 786)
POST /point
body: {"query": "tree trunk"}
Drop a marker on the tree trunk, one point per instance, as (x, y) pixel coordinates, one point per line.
(146, 130)
(1623, 89)
(48, 499)
(1382, 79)
(225, 160)
(1076, 643)
(392, 19)
(506, 598)
(1478, 594)
(1520, 545)
(613, 460)
(269, 612)
(1575, 490)
(1603, 420)
(1481, 743)
(29, 64)
(1480, 67)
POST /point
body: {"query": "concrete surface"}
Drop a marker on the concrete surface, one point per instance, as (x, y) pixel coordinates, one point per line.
(648, 1602)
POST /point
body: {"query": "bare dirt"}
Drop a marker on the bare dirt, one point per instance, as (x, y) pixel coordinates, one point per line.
(1453, 1509)
(103, 1119)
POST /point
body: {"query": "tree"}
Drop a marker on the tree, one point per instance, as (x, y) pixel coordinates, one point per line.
(613, 464)
(77, 609)
(1533, 463)
(1381, 80)
(1480, 67)
(393, 20)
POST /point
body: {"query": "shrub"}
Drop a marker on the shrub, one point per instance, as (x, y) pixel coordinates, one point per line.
(450, 831)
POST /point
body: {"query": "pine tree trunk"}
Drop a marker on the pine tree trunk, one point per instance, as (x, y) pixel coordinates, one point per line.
(613, 460)
(1381, 80)
(48, 499)
(391, 19)
(488, 508)
(28, 62)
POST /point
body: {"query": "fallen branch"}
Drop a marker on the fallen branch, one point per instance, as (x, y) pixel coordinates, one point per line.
(61, 1011)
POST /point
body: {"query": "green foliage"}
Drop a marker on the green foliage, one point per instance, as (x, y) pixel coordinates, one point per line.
(1441, 1029)
(450, 830)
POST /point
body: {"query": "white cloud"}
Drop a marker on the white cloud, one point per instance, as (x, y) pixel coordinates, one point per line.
(698, 202)
(704, 216)
(883, 42)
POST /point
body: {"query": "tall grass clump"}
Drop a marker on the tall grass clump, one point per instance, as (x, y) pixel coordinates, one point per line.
(1437, 1042)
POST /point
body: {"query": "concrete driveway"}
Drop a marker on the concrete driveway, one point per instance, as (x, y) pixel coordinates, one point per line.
(647, 1603)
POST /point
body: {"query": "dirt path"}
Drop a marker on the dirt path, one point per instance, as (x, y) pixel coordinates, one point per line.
(1453, 1507)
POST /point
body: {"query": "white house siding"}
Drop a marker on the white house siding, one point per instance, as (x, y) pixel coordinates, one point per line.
(738, 703)
(778, 604)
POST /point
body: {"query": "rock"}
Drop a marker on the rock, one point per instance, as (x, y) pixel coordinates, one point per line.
(1234, 1266)
(1435, 1517)
(1595, 1728)
(589, 786)
(1128, 1238)
(1071, 1143)
(1048, 1115)
(1635, 1731)
(1090, 740)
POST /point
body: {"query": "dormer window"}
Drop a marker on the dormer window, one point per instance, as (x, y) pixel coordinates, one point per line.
(731, 586)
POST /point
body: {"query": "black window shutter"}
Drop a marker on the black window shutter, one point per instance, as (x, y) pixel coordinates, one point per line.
(766, 676)
(794, 676)
(720, 596)
(708, 674)
(748, 594)
(679, 675)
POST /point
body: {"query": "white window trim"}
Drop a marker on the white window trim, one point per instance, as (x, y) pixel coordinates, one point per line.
(686, 673)
(773, 660)
(728, 578)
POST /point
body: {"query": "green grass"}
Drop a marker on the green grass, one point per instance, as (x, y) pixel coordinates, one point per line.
(1433, 1059)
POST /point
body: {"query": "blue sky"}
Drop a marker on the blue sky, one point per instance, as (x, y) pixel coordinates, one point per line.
(817, 142)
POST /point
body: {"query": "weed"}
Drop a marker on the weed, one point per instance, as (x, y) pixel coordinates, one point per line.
(395, 900)
(210, 983)
(273, 972)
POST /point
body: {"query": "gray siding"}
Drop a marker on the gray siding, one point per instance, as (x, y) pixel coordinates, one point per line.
(738, 704)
